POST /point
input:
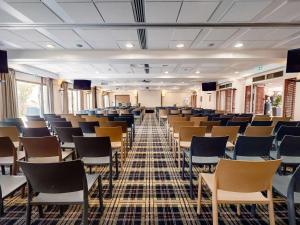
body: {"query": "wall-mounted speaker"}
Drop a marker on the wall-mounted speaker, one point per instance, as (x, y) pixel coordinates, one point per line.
(3, 62)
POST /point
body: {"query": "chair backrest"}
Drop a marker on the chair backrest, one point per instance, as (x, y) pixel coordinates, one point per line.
(290, 146)
(102, 120)
(174, 112)
(223, 120)
(245, 176)
(209, 125)
(34, 118)
(187, 133)
(176, 118)
(240, 119)
(88, 127)
(65, 134)
(276, 119)
(55, 124)
(36, 132)
(91, 118)
(198, 119)
(186, 111)
(179, 124)
(42, 149)
(208, 146)
(11, 132)
(163, 112)
(56, 119)
(59, 177)
(262, 118)
(230, 131)
(114, 133)
(76, 120)
(284, 130)
(285, 123)
(35, 124)
(253, 146)
(122, 124)
(93, 146)
(7, 148)
(261, 123)
(259, 131)
(242, 125)
(18, 122)
(128, 119)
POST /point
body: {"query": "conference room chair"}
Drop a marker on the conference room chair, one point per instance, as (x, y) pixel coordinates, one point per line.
(138, 115)
(170, 121)
(44, 149)
(198, 119)
(90, 118)
(116, 138)
(186, 134)
(56, 124)
(222, 119)
(203, 151)
(13, 133)
(276, 119)
(162, 115)
(286, 130)
(252, 148)
(88, 127)
(8, 186)
(240, 119)
(279, 124)
(242, 125)
(259, 131)
(230, 131)
(51, 115)
(174, 112)
(12, 122)
(76, 120)
(262, 118)
(129, 119)
(261, 123)
(65, 136)
(289, 188)
(101, 120)
(35, 132)
(35, 124)
(186, 112)
(34, 118)
(289, 152)
(239, 182)
(55, 119)
(97, 151)
(123, 112)
(9, 155)
(69, 117)
(209, 125)
(60, 183)
(175, 134)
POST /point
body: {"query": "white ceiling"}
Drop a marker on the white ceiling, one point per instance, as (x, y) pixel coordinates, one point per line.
(166, 39)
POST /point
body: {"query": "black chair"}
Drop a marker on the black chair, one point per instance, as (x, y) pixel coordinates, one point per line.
(129, 119)
(18, 122)
(8, 186)
(203, 151)
(285, 123)
(66, 134)
(286, 130)
(289, 187)
(289, 152)
(252, 148)
(224, 120)
(62, 183)
(12, 124)
(242, 125)
(96, 151)
(36, 132)
(261, 123)
(55, 124)
(51, 115)
(88, 127)
(34, 118)
(111, 117)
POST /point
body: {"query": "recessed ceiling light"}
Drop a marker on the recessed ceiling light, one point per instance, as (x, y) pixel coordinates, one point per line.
(129, 45)
(49, 46)
(180, 45)
(238, 45)
(197, 72)
(166, 72)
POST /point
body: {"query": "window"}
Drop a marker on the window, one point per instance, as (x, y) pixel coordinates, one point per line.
(76, 101)
(106, 101)
(70, 100)
(29, 98)
(45, 99)
(88, 100)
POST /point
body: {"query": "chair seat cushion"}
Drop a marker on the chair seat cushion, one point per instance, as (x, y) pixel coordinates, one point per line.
(10, 183)
(95, 160)
(245, 158)
(69, 197)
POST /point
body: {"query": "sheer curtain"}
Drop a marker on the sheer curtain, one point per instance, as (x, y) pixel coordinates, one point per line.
(8, 99)
(64, 86)
(50, 95)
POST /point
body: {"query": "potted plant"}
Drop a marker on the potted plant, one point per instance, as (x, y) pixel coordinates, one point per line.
(276, 110)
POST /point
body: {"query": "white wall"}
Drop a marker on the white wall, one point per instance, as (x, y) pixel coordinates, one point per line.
(57, 97)
(150, 98)
(208, 99)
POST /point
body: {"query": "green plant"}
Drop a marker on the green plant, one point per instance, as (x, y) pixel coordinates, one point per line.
(277, 101)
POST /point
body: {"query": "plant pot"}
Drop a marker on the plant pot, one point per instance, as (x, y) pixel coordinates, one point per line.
(276, 111)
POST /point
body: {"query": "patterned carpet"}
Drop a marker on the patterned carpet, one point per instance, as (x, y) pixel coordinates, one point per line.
(149, 191)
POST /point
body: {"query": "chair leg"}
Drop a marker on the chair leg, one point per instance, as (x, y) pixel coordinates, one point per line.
(271, 213)
(215, 210)
(291, 212)
(100, 190)
(199, 195)
(41, 213)
(191, 179)
(179, 155)
(183, 165)
(85, 213)
(117, 166)
(110, 180)
(28, 214)
(238, 209)
(1, 207)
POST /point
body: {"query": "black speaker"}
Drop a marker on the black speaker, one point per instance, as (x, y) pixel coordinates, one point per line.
(3, 62)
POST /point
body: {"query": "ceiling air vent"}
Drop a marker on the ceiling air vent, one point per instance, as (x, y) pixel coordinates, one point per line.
(260, 78)
(223, 86)
(275, 75)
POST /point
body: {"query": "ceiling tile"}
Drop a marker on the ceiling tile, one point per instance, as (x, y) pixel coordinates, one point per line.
(65, 35)
(10, 36)
(7, 18)
(71, 44)
(37, 12)
(163, 12)
(286, 13)
(116, 12)
(265, 34)
(185, 34)
(207, 44)
(31, 35)
(100, 44)
(219, 34)
(243, 11)
(96, 35)
(196, 11)
(82, 12)
(124, 35)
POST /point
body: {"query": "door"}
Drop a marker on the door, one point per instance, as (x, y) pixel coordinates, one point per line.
(289, 97)
(248, 99)
(259, 99)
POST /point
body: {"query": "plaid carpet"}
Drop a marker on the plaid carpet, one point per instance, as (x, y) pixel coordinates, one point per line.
(149, 191)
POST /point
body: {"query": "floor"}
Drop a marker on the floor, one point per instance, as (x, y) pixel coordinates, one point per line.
(149, 191)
